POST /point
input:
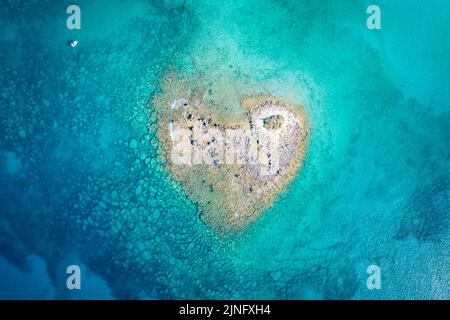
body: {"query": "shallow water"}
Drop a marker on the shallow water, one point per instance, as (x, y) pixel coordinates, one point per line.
(81, 181)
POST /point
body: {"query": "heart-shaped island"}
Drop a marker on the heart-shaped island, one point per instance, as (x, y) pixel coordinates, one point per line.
(232, 167)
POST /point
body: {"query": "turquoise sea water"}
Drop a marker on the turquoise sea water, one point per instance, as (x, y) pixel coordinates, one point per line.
(81, 181)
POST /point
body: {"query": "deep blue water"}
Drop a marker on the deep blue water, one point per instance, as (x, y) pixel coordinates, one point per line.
(81, 181)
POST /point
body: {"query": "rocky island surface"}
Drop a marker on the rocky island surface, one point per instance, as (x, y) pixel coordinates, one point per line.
(232, 166)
